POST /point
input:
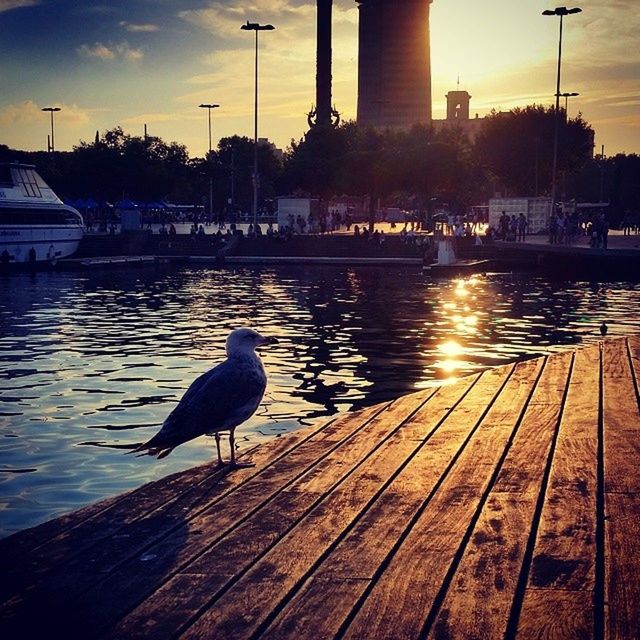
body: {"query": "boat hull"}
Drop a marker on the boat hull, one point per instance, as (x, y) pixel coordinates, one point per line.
(50, 243)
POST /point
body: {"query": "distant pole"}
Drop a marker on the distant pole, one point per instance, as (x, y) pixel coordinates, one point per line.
(52, 110)
(233, 177)
(537, 165)
(602, 174)
(254, 26)
(209, 107)
(561, 12)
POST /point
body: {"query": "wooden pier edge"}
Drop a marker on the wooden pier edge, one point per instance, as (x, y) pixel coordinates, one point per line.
(505, 505)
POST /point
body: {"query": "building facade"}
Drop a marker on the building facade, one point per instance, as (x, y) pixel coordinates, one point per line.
(394, 63)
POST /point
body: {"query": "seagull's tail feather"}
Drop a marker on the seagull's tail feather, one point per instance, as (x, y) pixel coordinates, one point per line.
(153, 451)
(149, 449)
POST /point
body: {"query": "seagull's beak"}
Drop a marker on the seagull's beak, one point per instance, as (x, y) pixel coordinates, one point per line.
(268, 340)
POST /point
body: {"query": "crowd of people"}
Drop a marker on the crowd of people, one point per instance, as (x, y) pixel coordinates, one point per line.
(512, 228)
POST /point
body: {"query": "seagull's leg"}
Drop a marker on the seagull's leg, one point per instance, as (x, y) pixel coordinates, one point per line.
(234, 464)
(217, 437)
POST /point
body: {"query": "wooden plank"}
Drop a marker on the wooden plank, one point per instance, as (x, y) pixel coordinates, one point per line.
(234, 496)
(564, 555)
(361, 554)
(621, 420)
(245, 607)
(621, 427)
(622, 577)
(557, 615)
(633, 342)
(400, 602)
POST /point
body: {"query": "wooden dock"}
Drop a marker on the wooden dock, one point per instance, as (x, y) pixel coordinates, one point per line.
(506, 505)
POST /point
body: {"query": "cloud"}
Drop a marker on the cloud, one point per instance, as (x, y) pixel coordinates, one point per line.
(139, 28)
(112, 52)
(8, 5)
(28, 112)
(295, 19)
(151, 118)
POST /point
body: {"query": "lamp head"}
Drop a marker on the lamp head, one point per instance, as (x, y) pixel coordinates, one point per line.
(561, 11)
(255, 26)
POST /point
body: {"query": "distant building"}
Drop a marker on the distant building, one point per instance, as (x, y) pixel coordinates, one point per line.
(458, 107)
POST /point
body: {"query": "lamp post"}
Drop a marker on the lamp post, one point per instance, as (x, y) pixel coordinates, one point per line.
(562, 12)
(254, 26)
(566, 97)
(52, 110)
(209, 107)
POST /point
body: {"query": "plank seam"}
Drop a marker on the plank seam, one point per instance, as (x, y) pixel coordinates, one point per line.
(523, 578)
(634, 373)
(598, 592)
(457, 558)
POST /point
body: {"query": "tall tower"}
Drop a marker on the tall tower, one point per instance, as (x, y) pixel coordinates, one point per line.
(458, 105)
(323, 114)
(394, 63)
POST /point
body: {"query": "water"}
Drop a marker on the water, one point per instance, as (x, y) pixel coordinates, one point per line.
(92, 362)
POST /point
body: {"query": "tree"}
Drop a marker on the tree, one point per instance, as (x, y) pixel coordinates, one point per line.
(517, 147)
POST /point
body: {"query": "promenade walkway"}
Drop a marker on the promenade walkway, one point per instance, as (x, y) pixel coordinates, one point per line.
(505, 505)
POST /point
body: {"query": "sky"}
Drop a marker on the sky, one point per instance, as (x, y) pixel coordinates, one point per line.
(130, 62)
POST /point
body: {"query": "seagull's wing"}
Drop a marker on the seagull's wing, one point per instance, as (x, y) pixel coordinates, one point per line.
(219, 399)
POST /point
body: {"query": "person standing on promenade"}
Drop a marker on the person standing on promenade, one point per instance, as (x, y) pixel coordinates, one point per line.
(522, 227)
(605, 231)
(553, 228)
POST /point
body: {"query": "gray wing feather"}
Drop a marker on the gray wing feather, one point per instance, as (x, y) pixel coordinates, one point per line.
(217, 400)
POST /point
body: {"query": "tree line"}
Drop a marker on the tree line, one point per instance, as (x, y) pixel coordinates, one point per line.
(419, 168)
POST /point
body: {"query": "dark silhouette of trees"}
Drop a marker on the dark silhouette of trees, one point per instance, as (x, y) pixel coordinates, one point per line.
(517, 148)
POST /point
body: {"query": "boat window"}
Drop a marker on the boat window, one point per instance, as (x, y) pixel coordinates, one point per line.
(25, 178)
(39, 180)
(28, 216)
(5, 176)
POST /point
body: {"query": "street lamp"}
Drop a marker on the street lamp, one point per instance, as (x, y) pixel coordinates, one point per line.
(254, 26)
(52, 110)
(562, 12)
(209, 107)
(566, 97)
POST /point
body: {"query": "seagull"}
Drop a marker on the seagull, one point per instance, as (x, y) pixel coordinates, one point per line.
(603, 329)
(219, 400)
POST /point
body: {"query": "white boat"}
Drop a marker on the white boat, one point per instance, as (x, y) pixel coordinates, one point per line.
(35, 225)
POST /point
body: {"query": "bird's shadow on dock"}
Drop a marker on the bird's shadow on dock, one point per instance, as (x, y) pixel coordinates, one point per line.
(107, 565)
